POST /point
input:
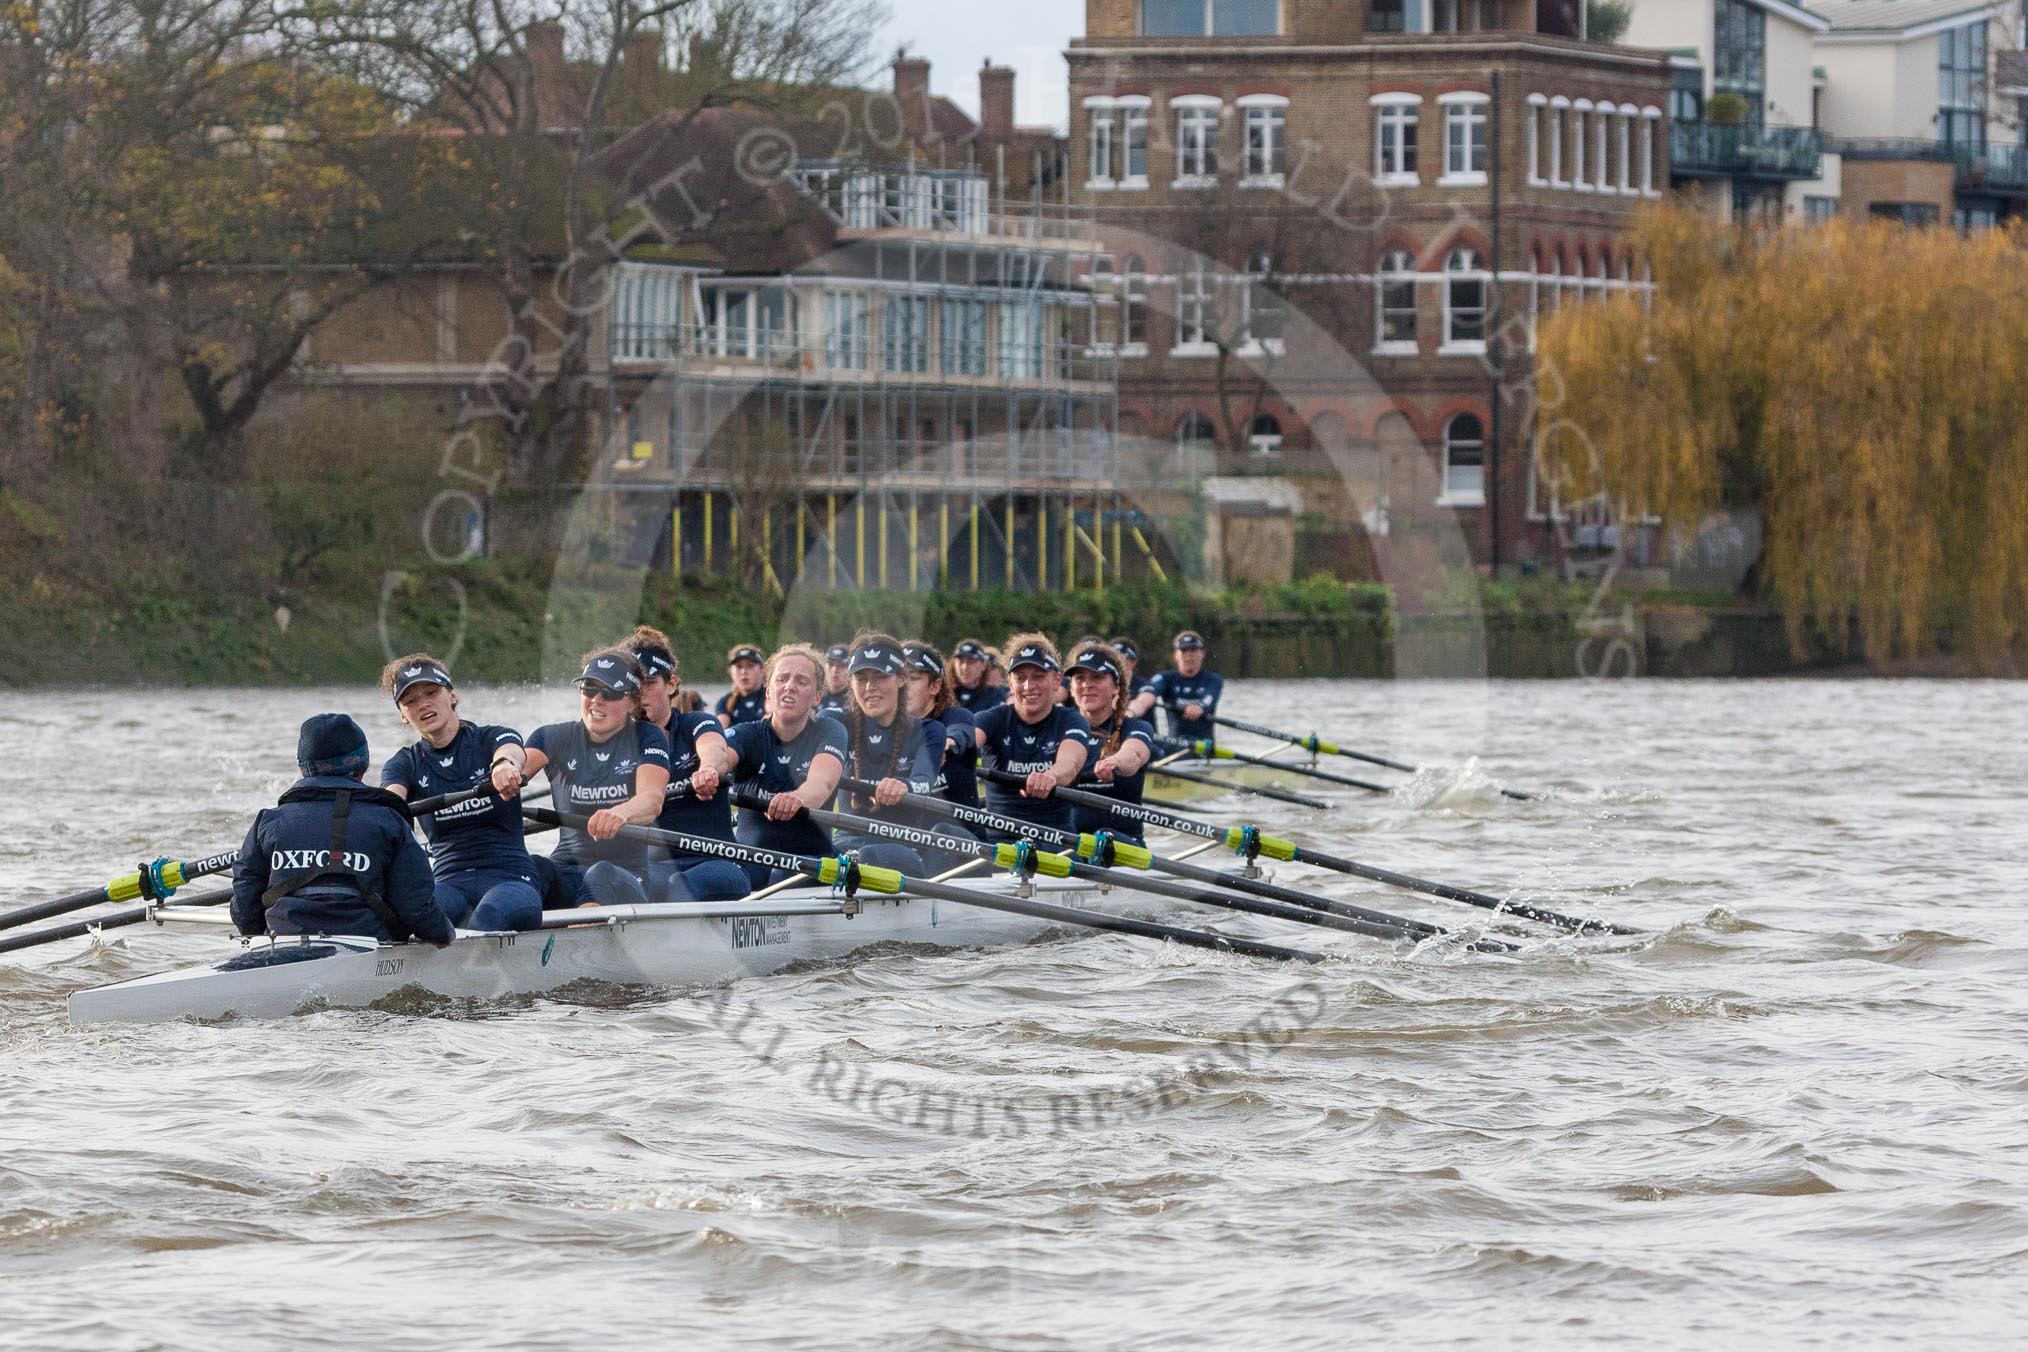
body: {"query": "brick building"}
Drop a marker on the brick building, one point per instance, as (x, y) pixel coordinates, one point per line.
(1329, 229)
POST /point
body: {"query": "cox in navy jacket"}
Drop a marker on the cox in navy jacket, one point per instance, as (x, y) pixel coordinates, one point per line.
(290, 844)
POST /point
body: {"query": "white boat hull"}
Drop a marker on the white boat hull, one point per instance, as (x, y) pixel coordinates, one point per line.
(671, 946)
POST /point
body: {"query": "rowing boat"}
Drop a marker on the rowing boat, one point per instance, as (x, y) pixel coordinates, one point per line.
(664, 945)
(1161, 788)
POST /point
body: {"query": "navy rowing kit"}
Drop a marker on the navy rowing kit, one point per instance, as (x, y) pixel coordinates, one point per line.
(1022, 749)
(767, 764)
(336, 857)
(482, 833)
(977, 699)
(737, 708)
(958, 779)
(1175, 692)
(586, 776)
(1120, 788)
(485, 879)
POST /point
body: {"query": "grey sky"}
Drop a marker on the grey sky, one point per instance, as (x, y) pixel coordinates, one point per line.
(956, 35)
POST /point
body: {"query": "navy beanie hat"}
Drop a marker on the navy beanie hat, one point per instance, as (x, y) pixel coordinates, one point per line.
(331, 744)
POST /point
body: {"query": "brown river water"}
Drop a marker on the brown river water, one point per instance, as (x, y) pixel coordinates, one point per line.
(1797, 1114)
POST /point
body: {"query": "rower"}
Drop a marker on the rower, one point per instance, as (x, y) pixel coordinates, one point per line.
(901, 754)
(837, 680)
(1189, 693)
(929, 696)
(1032, 735)
(609, 767)
(1130, 653)
(790, 753)
(743, 703)
(1125, 745)
(485, 879)
(333, 856)
(969, 665)
(695, 805)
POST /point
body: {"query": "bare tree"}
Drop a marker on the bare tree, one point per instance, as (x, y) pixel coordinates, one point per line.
(543, 108)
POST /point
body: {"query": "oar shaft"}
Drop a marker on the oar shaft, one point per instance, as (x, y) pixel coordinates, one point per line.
(1212, 752)
(824, 870)
(1146, 929)
(126, 887)
(1251, 790)
(116, 920)
(1483, 900)
(1251, 886)
(1063, 866)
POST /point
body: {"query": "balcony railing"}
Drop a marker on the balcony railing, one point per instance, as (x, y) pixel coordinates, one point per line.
(1707, 150)
(1999, 169)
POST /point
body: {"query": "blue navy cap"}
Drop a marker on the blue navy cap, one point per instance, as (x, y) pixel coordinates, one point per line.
(838, 653)
(655, 659)
(1033, 655)
(420, 673)
(920, 658)
(1099, 660)
(611, 673)
(331, 744)
(1189, 639)
(876, 657)
(975, 651)
(1127, 648)
(746, 653)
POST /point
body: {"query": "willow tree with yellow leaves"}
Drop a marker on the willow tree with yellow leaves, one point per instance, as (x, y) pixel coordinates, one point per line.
(1858, 383)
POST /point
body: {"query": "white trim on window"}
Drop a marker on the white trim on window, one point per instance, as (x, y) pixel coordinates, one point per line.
(1463, 112)
(1196, 101)
(1557, 107)
(1464, 485)
(1397, 126)
(1261, 101)
(1536, 103)
(1651, 130)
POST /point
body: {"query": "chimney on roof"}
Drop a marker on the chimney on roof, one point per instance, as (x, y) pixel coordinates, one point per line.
(912, 93)
(996, 99)
(545, 47)
(641, 64)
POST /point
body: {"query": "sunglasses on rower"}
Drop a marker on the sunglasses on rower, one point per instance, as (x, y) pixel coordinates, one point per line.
(593, 690)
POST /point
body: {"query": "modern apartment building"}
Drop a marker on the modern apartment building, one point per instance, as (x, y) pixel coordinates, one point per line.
(1907, 109)
(1920, 107)
(1328, 228)
(1742, 102)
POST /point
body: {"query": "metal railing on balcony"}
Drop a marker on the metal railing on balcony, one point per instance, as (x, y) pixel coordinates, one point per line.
(2000, 169)
(1705, 149)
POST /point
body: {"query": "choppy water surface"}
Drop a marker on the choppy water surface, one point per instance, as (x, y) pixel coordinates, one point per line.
(1798, 1115)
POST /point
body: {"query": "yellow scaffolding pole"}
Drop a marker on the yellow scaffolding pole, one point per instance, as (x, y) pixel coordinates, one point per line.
(802, 536)
(676, 540)
(859, 510)
(707, 532)
(1098, 554)
(1070, 548)
(831, 534)
(768, 550)
(1154, 565)
(975, 546)
(881, 516)
(913, 546)
(1119, 554)
(1042, 544)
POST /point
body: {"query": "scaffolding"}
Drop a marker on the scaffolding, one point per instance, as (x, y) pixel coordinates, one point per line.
(920, 408)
